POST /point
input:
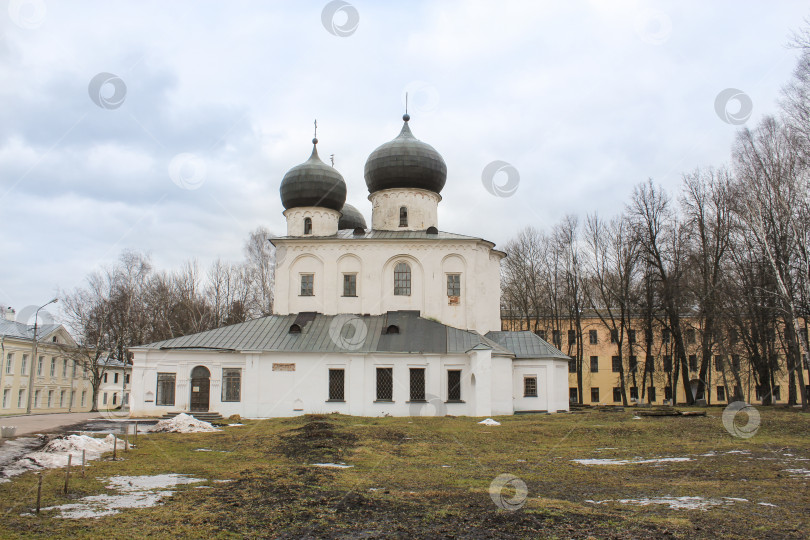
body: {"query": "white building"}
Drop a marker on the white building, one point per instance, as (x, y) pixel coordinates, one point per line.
(397, 319)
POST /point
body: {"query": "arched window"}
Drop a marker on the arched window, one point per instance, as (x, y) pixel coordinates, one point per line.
(307, 225)
(402, 279)
(403, 216)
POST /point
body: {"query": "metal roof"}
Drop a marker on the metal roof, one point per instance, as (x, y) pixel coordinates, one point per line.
(526, 345)
(336, 334)
(20, 330)
(372, 234)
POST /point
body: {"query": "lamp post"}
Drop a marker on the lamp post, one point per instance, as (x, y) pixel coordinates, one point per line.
(34, 357)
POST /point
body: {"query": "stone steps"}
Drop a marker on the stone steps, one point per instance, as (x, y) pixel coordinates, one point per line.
(204, 416)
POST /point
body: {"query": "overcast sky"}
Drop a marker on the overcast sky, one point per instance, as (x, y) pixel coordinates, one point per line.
(166, 127)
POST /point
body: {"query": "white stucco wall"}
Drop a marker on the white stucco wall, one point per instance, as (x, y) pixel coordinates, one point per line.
(422, 206)
(324, 220)
(374, 262)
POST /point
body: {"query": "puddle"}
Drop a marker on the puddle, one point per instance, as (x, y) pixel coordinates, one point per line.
(616, 461)
(133, 492)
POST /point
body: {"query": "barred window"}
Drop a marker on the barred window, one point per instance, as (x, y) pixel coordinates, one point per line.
(402, 279)
(403, 216)
(231, 384)
(307, 225)
(417, 384)
(616, 364)
(349, 284)
(529, 386)
(307, 284)
(337, 388)
(453, 284)
(385, 384)
(165, 389)
(454, 385)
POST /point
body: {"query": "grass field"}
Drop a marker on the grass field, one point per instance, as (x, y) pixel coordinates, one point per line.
(430, 477)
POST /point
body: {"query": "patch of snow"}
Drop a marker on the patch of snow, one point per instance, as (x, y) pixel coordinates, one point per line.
(445, 466)
(767, 504)
(234, 425)
(675, 503)
(616, 461)
(738, 452)
(798, 472)
(333, 465)
(735, 499)
(209, 450)
(226, 481)
(183, 423)
(489, 422)
(55, 454)
(134, 492)
(636, 418)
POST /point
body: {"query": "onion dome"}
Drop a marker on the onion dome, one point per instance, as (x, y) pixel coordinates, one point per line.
(313, 183)
(405, 162)
(351, 218)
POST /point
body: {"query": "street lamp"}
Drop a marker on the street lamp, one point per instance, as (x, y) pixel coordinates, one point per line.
(34, 357)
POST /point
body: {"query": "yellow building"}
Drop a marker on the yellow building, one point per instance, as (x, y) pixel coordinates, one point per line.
(58, 384)
(646, 359)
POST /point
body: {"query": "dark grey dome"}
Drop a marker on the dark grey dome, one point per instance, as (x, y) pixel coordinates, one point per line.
(405, 162)
(351, 218)
(313, 183)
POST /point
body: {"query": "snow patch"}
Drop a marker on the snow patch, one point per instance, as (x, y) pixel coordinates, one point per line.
(134, 492)
(675, 503)
(616, 461)
(489, 422)
(183, 423)
(333, 465)
(798, 472)
(55, 454)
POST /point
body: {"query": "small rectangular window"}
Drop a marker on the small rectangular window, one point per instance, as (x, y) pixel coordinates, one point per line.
(614, 336)
(735, 362)
(6, 394)
(417, 384)
(64, 368)
(616, 364)
(454, 385)
(529, 386)
(9, 363)
(385, 384)
(115, 378)
(115, 398)
(651, 394)
(572, 337)
(84, 397)
(777, 393)
(403, 217)
(39, 365)
(231, 384)
(337, 385)
(631, 336)
(541, 334)
(104, 399)
(594, 395)
(307, 284)
(633, 363)
(665, 335)
(24, 365)
(721, 393)
(53, 367)
(693, 364)
(634, 393)
(668, 363)
(36, 398)
(349, 284)
(572, 365)
(50, 398)
(593, 337)
(650, 364)
(617, 394)
(62, 398)
(453, 284)
(594, 364)
(72, 398)
(20, 397)
(556, 338)
(718, 362)
(165, 389)
(667, 392)
(573, 395)
(691, 335)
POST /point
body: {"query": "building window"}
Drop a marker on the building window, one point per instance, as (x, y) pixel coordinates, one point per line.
(20, 398)
(650, 364)
(62, 399)
(36, 398)
(718, 362)
(541, 334)
(385, 384)
(6, 394)
(53, 367)
(73, 370)
(453, 284)
(634, 393)
(721, 393)
(349, 284)
(651, 393)
(84, 397)
(617, 394)
(24, 365)
(417, 384)
(594, 395)
(105, 378)
(403, 216)
(665, 335)
(631, 336)
(614, 336)
(691, 336)
(735, 362)
(115, 378)
(104, 399)
(616, 364)
(530, 386)
(733, 337)
(777, 393)
(573, 395)
(668, 392)
(307, 225)
(594, 364)
(633, 363)
(231, 384)
(556, 338)
(454, 385)
(692, 362)
(402, 279)
(648, 336)
(165, 389)
(50, 398)
(72, 398)
(667, 363)
(115, 398)
(337, 385)
(126, 378)
(572, 337)
(9, 363)
(307, 284)
(572, 365)
(39, 365)
(593, 337)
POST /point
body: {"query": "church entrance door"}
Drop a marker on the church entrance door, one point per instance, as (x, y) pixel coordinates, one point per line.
(200, 387)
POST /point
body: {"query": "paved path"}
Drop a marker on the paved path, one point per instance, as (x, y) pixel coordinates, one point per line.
(44, 423)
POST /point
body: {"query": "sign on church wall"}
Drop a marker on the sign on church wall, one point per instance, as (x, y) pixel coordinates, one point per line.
(283, 367)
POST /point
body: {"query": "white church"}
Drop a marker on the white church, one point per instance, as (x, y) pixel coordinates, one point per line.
(397, 319)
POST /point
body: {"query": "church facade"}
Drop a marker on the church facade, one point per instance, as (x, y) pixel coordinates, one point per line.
(396, 319)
